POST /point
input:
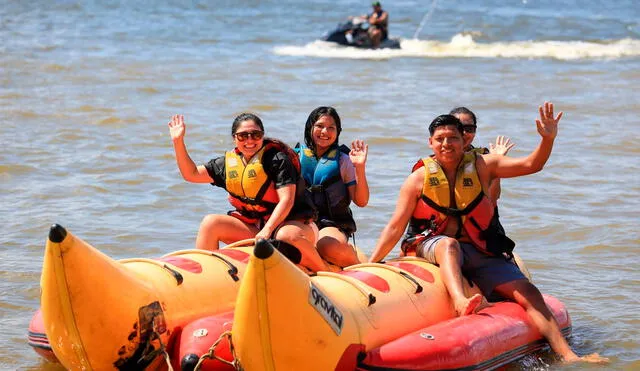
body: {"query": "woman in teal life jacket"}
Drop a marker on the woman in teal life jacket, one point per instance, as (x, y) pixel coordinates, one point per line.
(334, 176)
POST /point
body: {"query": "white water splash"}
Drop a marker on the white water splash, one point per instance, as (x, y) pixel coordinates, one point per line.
(463, 46)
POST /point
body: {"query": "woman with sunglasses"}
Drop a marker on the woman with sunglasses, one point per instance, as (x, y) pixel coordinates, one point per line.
(501, 147)
(261, 176)
(334, 176)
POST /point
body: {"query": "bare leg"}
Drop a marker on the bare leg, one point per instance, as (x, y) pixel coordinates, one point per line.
(362, 257)
(449, 258)
(302, 236)
(333, 247)
(216, 228)
(529, 297)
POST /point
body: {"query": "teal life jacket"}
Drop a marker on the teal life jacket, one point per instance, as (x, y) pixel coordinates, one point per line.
(326, 188)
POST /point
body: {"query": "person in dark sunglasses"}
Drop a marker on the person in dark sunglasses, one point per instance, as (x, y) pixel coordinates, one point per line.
(262, 177)
(334, 176)
(501, 146)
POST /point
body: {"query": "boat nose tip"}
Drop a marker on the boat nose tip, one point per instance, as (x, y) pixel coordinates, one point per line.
(263, 249)
(57, 233)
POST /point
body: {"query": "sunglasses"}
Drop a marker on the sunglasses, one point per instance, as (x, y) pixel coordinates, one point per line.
(255, 135)
(469, 128)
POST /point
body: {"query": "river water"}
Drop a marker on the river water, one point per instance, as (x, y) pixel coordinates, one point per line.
(87, 89)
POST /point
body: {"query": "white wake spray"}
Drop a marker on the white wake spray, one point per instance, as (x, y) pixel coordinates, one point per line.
(463, 46)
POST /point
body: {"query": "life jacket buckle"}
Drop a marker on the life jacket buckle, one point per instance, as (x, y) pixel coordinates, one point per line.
(316, 188)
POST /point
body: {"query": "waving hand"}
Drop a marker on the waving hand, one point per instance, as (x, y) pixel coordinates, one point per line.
(547, 124)
(358, 154)
(177, 127)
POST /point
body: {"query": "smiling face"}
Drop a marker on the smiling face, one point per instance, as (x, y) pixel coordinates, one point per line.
(447, 145)
(324, 133)
(251, 145)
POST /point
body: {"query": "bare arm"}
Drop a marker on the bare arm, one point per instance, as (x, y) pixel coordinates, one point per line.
(407, 201)
(286, 197)
(383, 18)
(509, 167)
(190, 172)
(358, 155)
(495, 190)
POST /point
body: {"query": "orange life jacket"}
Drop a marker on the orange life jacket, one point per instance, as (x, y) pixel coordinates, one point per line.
(251, 192)
(471, 207)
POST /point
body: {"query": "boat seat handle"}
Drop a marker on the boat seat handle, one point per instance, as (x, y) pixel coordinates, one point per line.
(175, 274)
(410, 278)
(399, 271)
(233, 270)
(371, 299)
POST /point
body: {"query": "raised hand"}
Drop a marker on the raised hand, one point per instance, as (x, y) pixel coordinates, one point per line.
(502, 146)
(177, 127)
(359, 151)
(548, 125)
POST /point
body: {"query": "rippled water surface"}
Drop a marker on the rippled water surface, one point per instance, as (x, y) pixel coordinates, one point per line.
(87, 88)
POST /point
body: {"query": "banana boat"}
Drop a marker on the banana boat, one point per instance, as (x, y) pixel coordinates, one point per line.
(286, 320)
(101, 314)
(392, 316)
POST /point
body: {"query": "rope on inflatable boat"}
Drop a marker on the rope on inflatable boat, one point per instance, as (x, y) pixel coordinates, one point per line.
(211, 354)
(163, 348)
(166, 359)
(150, 354)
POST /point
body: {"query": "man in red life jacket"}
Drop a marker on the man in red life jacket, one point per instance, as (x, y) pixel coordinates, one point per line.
(451, 222)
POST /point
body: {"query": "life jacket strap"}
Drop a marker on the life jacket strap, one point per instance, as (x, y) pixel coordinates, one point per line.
(451, 211)
(253, 201)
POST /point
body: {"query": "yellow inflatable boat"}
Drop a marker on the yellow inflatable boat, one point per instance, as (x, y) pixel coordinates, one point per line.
(101, 314)
(285, 320)
(392, 316)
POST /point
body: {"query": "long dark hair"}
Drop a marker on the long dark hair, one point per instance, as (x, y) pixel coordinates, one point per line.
(311, 120)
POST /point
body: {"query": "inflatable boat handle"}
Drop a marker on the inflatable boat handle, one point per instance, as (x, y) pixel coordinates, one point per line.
(241, 243)
(399, 271)
(233, 270)
(175, 274)
(160, 264)
(354, 282)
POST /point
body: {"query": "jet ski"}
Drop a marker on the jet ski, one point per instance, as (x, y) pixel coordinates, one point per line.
(354, 32)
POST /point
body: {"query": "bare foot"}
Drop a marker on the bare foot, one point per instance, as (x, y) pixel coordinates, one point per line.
(467, 306)
(483, 304)
(590, 358)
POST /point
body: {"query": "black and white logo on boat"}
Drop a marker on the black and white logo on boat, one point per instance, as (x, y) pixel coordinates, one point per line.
(326, 308)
